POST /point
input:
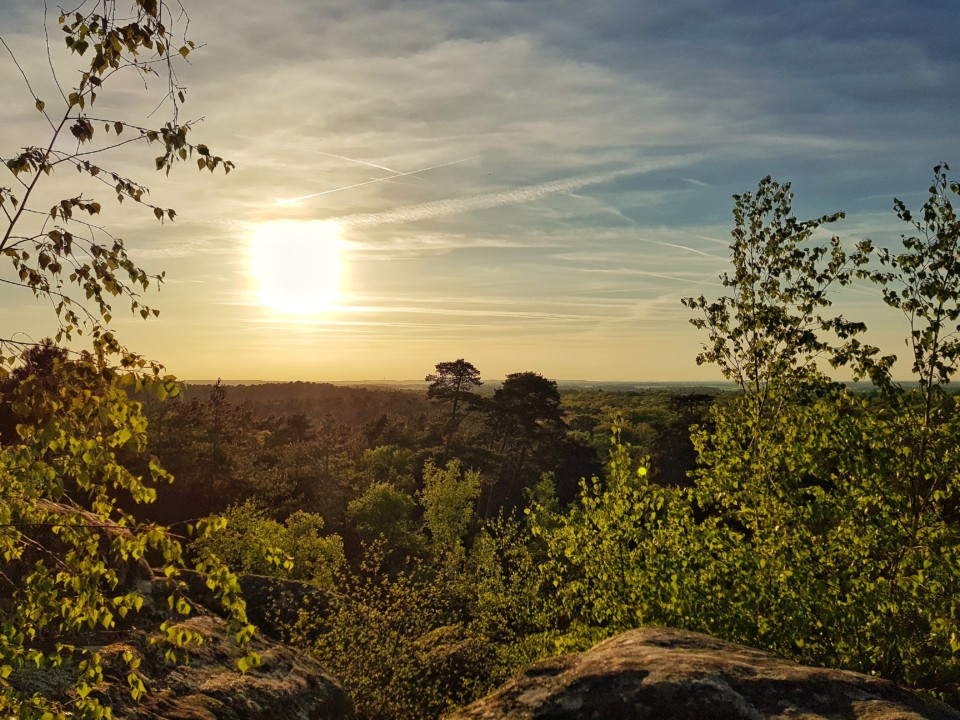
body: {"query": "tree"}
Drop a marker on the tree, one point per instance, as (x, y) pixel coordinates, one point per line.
(525, 420)
(826, 528)
(449, 498)
(615, 549)
(769, 332)
(53, 248)
(923, 282)
(65, 539)
(453, 382)
(385, 512)
(526, 405)
(253, 542)
(841, 534)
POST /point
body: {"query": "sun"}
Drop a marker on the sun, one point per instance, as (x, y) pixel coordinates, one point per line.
(297, 266)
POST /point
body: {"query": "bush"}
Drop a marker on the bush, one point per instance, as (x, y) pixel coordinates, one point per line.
(254, 543)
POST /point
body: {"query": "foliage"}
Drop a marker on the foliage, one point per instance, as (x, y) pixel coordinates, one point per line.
(371, 642)
(526, 428)
(526, 405)
(69, 548)
(449, 497)
(617, 549)
(324, 403)
(818, 557)
(384, 511)
(453, 381)
(252, 542)
(923, 281)
(389, 464)
(843, 529)
(425, 622)
(769, 332)
(212, 448)
(508, 605)
(837, 562)
(436, 634)
(822, 525)
(654, 422)
(53, 249)
(67, 544)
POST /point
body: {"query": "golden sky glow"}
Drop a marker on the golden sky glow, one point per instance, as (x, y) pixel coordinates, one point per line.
(526, 185)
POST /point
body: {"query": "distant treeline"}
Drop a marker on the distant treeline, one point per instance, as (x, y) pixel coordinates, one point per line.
(348, 404)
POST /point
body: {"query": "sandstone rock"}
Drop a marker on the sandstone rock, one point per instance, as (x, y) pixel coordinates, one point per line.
(663, 674)
(289, 685)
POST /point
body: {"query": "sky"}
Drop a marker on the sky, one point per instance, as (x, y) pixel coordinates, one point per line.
(526, 184)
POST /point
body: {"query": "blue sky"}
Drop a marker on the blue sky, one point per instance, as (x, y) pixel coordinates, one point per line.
(531, 185)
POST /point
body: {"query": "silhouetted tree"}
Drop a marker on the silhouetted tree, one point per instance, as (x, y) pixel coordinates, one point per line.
(453, 382)
(526, 422)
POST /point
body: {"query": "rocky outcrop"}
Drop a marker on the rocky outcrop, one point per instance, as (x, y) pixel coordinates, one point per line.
(288, 685)
(664, 674)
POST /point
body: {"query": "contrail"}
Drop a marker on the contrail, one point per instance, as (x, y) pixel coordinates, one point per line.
(326, 154)
(688, 249)
(528, 193)
(289, 201)
(355, 160)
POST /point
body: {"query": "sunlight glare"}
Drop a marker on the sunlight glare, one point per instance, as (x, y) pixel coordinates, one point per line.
(297, 265)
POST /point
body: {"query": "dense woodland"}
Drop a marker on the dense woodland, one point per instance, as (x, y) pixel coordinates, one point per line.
(413, 516)
(440, 540)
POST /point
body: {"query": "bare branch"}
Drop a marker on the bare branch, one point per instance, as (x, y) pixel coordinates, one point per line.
(53, 72)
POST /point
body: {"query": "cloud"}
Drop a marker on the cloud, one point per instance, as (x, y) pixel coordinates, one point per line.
(396, 174)
(571, 113)
(525, 194)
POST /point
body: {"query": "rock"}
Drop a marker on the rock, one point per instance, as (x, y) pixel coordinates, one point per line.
(665, 674)
(289, 685)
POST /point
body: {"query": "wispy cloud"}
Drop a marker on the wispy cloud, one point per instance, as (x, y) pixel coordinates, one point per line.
(347, 107)
(358, 162)
(525, 194)
(689, 277)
